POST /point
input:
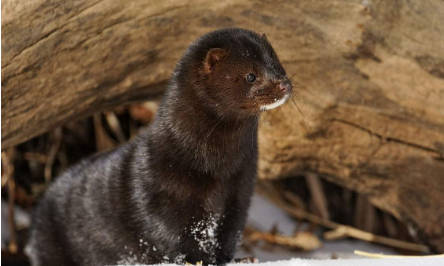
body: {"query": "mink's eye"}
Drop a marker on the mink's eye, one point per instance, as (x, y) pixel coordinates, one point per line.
(251, 77)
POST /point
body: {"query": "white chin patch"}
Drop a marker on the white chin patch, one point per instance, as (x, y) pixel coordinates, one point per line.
(275, 104)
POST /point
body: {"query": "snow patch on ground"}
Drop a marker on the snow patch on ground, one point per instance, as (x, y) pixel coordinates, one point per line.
(354, 262)
(350, 262)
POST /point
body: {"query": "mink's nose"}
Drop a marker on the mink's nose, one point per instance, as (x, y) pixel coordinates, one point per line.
(285, 86)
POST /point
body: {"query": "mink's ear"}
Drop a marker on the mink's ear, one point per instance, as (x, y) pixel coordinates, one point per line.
(263, 36)
(213, 56)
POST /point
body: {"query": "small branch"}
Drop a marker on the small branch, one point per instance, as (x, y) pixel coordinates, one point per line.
(364, 214)
(103, 141)
(114, 124)
(55, 145)
(7, 158)
(301, 240)
(317, 194)
(33, 156)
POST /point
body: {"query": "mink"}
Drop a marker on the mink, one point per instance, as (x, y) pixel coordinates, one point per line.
(180, 191)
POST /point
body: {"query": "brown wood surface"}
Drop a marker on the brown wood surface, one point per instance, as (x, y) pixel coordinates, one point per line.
(371, 73)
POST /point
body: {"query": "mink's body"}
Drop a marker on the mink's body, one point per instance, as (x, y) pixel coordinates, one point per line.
(180, 191)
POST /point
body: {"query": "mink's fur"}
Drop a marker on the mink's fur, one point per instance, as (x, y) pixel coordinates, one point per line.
(180, 191)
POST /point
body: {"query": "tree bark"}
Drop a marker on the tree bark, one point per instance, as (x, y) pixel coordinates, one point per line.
(371, 75)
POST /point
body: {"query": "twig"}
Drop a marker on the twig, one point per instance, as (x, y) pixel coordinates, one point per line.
(317, 194)
(302, 240)
(103, 141)
(61, 156)
(389, 225)
(132, 128)
(296, 200)
(55, 145)
(347, 230)
(382, 256)
(7, 158)
(34, 156)
(365, 214)
(114, 124)
(5, 176)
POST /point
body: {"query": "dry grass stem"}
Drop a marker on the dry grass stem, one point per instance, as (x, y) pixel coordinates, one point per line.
(56, 140)
(318, 194)
(114, 124)
(34, 156)
(8, 158)
(103, 141)
(302, 240)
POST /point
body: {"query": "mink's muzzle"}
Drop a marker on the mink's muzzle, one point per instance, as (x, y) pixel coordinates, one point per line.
(275, 95)
(285, 86)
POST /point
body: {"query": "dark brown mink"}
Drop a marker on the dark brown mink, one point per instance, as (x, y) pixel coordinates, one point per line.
(180, 191)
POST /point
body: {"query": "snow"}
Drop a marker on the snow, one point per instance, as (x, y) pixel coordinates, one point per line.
(348, 262)
(354, 262)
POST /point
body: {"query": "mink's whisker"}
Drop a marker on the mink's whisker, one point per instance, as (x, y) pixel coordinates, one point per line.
(293, 96)
(308, 128)
(282, 112)
(292, 76)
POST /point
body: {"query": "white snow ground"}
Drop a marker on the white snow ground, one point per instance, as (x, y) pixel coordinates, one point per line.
(349, 262)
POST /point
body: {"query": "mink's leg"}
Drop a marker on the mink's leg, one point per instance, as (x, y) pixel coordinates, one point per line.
(231, 230)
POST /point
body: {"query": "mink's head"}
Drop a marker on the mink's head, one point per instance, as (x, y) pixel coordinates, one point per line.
(235, 72)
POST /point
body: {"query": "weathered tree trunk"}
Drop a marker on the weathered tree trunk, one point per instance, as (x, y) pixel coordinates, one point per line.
(372, 73)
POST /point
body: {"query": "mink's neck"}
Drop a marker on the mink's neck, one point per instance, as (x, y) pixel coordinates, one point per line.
(189, 133)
